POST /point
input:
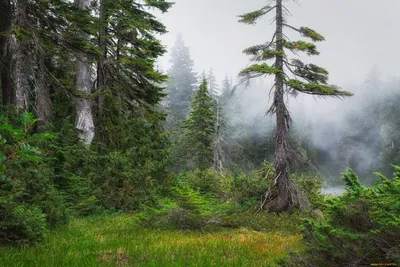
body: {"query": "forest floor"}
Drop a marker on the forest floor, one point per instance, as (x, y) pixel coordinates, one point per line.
(116, 240)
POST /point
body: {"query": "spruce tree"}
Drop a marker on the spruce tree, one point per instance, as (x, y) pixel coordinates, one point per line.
(200, 127)
(222, 127)
(212, 84)
(84, 118)
(5, 53)
(360, 146)
(292, 76)
(390, 117)
(182, 84)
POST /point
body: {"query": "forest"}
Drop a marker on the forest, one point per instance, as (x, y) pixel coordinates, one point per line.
(110, 158)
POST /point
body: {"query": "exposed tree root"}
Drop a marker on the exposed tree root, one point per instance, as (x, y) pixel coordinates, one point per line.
(282, 195)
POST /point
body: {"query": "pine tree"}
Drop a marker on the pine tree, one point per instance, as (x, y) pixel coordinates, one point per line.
(182, 83)
(360, 147)
(221, 126)
(84, 120)
(306, 78)
(200, 127)
(128, 85)
(212, 84)
(390, 117)
(5, 53)
(22, 24)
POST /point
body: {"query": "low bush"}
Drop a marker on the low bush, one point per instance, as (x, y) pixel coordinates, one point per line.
(361, 227)
(29, 201)
(186, 210)
(284, 223)
(20, 224)
(208, 199)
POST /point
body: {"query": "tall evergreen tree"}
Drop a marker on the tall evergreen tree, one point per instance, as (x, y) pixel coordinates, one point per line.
(360, 147)
(201, 127)
(290, 76)
(213, 87)
(390, 131)
(84, 120)
(221, 126)
(22, 23)
(5, 52)
(182, 84)
(60, 37)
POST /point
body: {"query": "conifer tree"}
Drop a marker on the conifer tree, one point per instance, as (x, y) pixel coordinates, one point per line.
(390, 116)
(360, 146)
(84, 120)
(5, 52)
(200, 127)
(182, 85)
(221, 126)
(128, 85)
(22, 25)
(291, 76)
(212, 84)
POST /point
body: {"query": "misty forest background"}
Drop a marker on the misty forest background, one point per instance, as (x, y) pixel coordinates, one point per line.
(92, 125)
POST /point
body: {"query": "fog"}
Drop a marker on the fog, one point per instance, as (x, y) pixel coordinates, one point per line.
(359, 34)
(359, 52)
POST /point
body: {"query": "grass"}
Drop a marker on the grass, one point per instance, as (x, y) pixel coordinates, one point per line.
(117, 241)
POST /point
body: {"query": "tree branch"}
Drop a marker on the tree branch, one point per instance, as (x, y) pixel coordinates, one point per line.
(291, 27)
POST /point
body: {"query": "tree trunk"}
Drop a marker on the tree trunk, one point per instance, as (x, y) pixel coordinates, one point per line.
(5, 53)
(43, 101)
(282, 194)
(22, 57)
(84, 121)
(218, 141)
(101, 69)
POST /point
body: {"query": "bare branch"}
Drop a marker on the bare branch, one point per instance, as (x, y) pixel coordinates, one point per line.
(245, 79)
(291, 27)
(286, 10)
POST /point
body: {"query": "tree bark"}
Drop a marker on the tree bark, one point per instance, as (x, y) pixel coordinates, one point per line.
(22, 57)
(5, 53)
(101, 68)
(84, 121)
(218, 166)
(282, 193)
(42, 94)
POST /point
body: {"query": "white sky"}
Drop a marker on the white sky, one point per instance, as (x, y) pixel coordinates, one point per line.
(359, 34)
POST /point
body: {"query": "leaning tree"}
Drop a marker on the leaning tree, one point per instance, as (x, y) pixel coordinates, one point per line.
(291, 76)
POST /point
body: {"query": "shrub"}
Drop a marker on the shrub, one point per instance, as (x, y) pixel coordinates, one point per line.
(186, 210)
(20, 224)
(311, 187)
(361, 227)
(209, 200)
(284, 223)
(205, 181)
(238, 188)
(29, 202)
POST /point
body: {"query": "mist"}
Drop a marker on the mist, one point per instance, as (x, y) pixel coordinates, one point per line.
(352, 53)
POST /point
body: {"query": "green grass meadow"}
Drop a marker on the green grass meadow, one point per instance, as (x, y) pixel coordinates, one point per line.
(117, 241)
